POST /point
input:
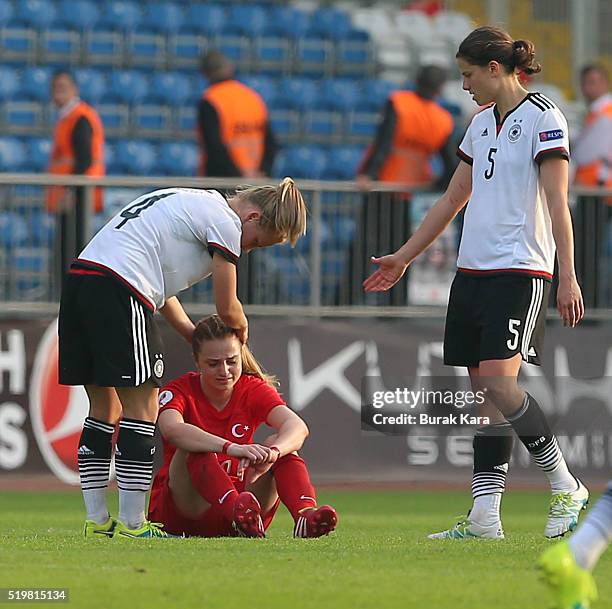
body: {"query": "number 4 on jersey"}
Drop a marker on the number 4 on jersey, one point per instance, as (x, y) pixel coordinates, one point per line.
(135, 210)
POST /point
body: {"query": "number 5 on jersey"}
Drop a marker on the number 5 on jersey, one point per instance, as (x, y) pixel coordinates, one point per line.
(488, 174)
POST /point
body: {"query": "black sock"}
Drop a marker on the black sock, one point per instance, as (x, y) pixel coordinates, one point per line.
(134, 467)
(492, 451)
(94, 458)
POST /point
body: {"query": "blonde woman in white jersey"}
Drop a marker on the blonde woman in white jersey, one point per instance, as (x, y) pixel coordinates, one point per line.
(514, 172)
(159, 244)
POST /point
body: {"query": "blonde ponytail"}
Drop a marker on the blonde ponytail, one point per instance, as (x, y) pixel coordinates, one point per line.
(250, 365)
(283, 209)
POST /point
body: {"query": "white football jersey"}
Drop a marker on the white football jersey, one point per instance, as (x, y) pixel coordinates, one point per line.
(163, 242)
(507, 224)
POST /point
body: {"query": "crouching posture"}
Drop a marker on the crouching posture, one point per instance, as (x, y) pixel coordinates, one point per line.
(215, 481)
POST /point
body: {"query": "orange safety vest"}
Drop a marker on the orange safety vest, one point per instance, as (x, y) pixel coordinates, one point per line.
(62, 155)
(242, 123)
(422, 129)
(597, 173)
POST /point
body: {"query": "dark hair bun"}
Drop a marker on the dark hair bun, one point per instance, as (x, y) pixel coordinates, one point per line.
(523, 55)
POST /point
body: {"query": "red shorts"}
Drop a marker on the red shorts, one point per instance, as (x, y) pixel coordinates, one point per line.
(211, 524)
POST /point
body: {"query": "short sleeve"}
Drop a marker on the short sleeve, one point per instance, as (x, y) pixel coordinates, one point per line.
(224, 239)
(551, 136)
(172, 398)
(465, 151)
(262, 399)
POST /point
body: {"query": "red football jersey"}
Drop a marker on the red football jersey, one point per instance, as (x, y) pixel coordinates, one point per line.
(252, 400)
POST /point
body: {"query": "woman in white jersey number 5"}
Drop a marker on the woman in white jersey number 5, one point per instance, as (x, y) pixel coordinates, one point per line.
(159, 244)
(514, 171)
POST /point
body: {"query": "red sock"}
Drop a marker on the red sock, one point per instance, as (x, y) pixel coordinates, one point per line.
(212, 482)
(293, 484)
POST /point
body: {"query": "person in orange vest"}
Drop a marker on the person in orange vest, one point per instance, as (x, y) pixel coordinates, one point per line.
(78, 148)
(593, 150)
(233, 127)
(414, 128)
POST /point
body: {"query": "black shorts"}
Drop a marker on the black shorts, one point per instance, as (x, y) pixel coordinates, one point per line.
(107, 336)
(495, 317)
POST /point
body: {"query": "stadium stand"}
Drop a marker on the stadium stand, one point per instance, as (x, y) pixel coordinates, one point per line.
(324, 72)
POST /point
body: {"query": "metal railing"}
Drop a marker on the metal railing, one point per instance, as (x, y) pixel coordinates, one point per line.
(322, 275)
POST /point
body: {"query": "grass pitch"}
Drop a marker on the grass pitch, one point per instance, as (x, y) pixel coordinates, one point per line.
(378, 558)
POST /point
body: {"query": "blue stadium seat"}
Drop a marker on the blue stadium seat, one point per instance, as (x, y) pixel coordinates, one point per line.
(330, 22)
(343, 162)
(78, 14)
(115, 117)
(29, 277)
(236, 47)
(152, 117)
(36, 83)
(248, 20)
(185, 49)
(9, 83)
(103, 48)
(355, 53)
(287, 21)
(23, 114)
(18, 44)
(264, 85)
(42, 229)
(13, 230)
(306, 162)
(6, 12)
(273, 53)
(186, 118)
(163, 17)
(110, 159)
(128, 86)
(342, 229)
(206, 19)
(293, 278)
(297, 93)
(171, 88)
(363, 124)
(12, 154)
(305, 242)
(135, 157)
(323, 125)
(91, 83)
(286, 123)
(38, 14)
(336, 94)
(314, 55)
(60, 44)
(146, 49)
(120, 15)
(374, 94)
(38, 154)
(178, 159)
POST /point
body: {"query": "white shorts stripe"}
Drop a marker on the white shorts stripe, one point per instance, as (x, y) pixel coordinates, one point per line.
(135, 341)
(146, 362)
(531, 324)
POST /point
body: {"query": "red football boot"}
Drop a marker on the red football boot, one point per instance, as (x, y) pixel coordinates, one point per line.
(316, 522)
(247, 516)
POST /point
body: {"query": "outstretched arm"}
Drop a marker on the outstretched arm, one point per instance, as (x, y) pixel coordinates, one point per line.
(392, 267)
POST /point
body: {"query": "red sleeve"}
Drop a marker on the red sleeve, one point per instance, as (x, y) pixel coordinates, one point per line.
(262, 399)
(173, 397)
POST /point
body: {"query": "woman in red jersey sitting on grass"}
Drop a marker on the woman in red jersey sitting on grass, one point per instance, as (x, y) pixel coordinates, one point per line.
(214, 481)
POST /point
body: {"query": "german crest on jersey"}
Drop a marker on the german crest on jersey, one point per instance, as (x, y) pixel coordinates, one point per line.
(514, 133)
